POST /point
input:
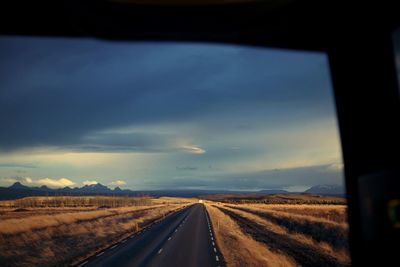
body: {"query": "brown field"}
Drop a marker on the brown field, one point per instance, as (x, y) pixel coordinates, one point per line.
(304, 198)
(281, 234)
(40, 231)
(76, 201)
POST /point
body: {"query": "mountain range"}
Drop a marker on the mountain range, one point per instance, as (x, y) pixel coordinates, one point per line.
(326, 190)
(18, 190)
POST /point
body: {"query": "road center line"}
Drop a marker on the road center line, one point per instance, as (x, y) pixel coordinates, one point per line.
(169, 238)
(216, 258)
(159, 251)
(101, 253)
(215, 250)
(113, 246)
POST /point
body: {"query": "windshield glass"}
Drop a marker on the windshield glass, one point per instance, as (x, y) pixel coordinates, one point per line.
(136, 123)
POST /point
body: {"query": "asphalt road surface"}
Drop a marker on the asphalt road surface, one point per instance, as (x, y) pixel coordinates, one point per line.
(184, 238)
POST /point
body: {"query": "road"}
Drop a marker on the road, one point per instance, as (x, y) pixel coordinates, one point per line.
(184, 238)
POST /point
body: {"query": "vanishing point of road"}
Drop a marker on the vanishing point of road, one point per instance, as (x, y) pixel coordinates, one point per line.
(184, 238)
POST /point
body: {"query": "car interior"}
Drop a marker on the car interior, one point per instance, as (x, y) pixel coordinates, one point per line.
(358, 39)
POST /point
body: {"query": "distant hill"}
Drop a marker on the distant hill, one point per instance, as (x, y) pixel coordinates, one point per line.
(18, 190)
(328, 190)
(18, 185)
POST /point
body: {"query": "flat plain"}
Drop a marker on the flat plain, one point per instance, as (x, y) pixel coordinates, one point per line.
(62, 231)
(252, 232)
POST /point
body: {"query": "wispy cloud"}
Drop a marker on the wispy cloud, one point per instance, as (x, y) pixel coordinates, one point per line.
(89, 182)
(186, 168)
(131, 142)
(17, 165)
(62, 182)
(118, 183)
(51, 182)
(193, 149)
(14, 179)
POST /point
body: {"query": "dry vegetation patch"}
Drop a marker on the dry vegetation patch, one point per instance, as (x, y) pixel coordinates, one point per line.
(47, 239)
(295, 231)
(76, 201)
(239, 249)
(334, 213)
(319, 229)
(302, 253)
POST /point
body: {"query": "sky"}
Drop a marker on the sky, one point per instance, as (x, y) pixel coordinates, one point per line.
(144, 115)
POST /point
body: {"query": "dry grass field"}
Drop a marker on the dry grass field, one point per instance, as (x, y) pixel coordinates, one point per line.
(281, 234)
(62, 231)
(40, 231)
(260, 198)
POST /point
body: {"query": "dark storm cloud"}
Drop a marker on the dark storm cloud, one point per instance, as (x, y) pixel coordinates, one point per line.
(56, 92)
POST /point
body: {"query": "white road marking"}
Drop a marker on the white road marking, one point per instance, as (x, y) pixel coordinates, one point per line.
(123, 241)
(212, 238)
(213, 243)
(210, 234)
(216, 258)
(113, 246)
(215, 250)
(101, 253)
(83, 263)
(169, 238)
(159, 251)
(176, 230)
